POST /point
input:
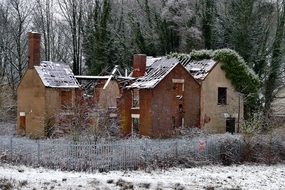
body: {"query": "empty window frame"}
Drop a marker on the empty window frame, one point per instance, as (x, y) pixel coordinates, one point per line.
(222, 96)
(135, 98)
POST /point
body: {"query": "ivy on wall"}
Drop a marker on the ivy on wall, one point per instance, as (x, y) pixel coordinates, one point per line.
(242, 77)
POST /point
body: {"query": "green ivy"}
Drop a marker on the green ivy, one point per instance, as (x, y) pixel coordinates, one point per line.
(242, 77)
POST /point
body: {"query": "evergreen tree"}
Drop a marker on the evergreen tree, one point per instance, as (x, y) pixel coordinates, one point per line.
(97, 38)
(207, 9)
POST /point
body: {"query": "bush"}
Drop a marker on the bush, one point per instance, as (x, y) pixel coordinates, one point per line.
(263, 140)
(8, 107)
(230, 151)
(268, 149)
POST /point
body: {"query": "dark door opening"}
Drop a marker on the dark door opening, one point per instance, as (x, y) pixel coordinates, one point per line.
(135, 126)
(230, 124)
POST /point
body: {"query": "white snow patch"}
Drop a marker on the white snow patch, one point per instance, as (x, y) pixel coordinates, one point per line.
(220, 177)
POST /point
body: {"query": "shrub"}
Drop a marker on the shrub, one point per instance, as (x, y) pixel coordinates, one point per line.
(264, 143)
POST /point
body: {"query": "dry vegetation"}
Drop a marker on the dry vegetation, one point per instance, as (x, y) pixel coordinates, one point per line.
(7, 104)
(264, 140)
(254, 145)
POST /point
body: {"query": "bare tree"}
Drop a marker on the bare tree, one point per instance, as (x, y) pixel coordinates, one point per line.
(3, 43)
(20, 14)
(15, 19)
(276, 58)
(44, 21)
(73, 11)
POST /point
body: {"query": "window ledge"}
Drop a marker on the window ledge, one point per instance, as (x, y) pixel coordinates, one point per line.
(222, 104)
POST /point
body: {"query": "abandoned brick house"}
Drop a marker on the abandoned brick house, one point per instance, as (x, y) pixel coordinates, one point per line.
(164, 98)
(161, 94)
(49, 91)
(45, 88)
(104, 92)
(179, 93)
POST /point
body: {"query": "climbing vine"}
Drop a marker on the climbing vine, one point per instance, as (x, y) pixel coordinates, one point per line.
(242, 77)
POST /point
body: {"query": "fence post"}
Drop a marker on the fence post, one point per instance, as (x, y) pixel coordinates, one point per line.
(69, 150)
(145, 152)
(176, 149)
(207, 150)
(38, 152)
(11, 148)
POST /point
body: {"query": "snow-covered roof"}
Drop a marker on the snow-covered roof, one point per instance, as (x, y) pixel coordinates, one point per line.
(158, 68)
(56, 75)
(150, 60)
(156, 72)
(88, 77)
(198, 69)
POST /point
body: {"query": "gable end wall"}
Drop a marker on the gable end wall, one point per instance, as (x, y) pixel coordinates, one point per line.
(31, 100)
(213, 115)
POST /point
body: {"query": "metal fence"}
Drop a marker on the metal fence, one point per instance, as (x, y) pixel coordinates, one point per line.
(121, 154)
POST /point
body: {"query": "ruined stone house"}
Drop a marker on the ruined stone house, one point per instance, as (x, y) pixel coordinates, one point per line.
(45, 89)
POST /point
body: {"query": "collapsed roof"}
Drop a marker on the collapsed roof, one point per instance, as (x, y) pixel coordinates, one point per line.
(158, 68)
(150, 60)
(56, 75)
(198, 69)
(155, 73)
(89, 82)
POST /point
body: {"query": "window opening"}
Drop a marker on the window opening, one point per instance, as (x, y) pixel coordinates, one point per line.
(135, 98)
(222, 96)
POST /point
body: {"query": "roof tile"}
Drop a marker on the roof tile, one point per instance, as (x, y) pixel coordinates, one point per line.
(56, 75)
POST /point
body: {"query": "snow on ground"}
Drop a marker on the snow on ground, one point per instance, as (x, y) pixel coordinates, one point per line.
(7, 128)
(206, 177)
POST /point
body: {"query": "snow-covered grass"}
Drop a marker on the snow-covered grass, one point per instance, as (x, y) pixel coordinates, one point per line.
(7, 128)
(206, 177)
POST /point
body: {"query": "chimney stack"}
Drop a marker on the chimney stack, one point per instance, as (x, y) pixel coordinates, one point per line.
(139, 65)
(34, 49)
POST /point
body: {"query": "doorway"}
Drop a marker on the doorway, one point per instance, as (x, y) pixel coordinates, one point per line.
(230, 124)
(22, 125)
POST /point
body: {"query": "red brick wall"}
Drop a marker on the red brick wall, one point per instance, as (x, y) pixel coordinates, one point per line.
(124, 104)
(164, 109)
(159, 106)
(145, 112)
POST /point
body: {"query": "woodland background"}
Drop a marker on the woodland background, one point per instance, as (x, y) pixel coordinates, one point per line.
(94, 35)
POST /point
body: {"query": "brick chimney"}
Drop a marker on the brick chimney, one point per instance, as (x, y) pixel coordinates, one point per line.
(34, 49)
(139, 65)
